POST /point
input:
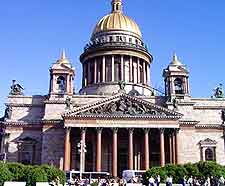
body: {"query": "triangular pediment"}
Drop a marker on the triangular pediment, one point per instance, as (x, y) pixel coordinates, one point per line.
(58, 66)
(207, 141)
(123, 106)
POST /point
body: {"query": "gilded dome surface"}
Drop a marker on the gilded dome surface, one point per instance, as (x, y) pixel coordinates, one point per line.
(116, 20)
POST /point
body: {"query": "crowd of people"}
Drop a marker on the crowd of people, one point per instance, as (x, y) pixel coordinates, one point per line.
(185, 181)
(105, 181)
(191, 181)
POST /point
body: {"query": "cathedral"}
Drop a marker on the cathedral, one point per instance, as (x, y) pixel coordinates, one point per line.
(117, 121)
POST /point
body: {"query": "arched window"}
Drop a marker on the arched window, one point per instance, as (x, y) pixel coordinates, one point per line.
(117, 7)
(178, 86)
(61, 84)
(208, 149)
(209, 155)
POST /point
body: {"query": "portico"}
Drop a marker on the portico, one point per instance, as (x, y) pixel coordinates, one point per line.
(119, 139)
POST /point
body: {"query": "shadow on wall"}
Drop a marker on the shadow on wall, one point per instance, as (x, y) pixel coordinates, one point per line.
(34, 143)
(36, 111)
(36, 146)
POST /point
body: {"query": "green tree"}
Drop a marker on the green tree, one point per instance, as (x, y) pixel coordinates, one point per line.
(209, 168)
(192, 170)
(52, 173)
(17, 170)
(5, 174)
(37, 174)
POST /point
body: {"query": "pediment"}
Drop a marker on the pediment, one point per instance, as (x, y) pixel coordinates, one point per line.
(123, 106)
(207, 142)
(58, 66)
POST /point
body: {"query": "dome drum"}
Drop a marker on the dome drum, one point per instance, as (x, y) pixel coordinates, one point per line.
(105, 50)
(114, 68)
(116, 53)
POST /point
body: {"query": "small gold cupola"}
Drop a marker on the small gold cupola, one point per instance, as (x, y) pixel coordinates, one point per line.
(63, 59)
(175, 60)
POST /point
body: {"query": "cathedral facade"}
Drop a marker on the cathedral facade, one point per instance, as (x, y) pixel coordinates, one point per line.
(117, 116)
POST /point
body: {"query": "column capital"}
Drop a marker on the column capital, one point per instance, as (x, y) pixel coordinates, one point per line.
(170, 134)
(83, 129)
(176, 130)
(130, 130)
(99, 129)
(68, 129)
(146, 130)
(115, 130)
(161, 130)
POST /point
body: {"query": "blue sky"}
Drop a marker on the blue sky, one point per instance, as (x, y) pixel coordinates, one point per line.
(32, 33)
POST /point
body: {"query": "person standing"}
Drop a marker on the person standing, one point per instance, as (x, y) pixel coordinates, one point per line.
(157, 180)
(170, 181)
(151, 181)
(183, 181)
(190, 181)
(221, 181)
(207, 182)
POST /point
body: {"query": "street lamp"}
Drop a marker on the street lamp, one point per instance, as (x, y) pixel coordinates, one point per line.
(82, 150)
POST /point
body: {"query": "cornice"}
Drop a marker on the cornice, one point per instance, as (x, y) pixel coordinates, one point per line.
(208, 107)
(123, 117)
(37, 123)
(188, 122)
(24, 105)
(209, 126)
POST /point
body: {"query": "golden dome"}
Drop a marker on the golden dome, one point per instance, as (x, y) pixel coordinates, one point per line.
(117, 21)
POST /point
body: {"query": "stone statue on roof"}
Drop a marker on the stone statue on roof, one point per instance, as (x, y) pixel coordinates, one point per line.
(8, 113)
(68, 103)
(122, 85)
(16, 89)
(219, 92)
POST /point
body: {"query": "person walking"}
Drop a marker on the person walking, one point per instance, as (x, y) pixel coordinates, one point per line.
(169, 181)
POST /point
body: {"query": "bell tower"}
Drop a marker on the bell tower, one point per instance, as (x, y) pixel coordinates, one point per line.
(61, 77)
(176, 78)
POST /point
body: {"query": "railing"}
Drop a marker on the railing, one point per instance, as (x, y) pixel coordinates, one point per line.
(110, 44)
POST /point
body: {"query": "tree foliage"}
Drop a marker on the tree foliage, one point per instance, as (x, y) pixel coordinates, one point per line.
(5, 174)
(29, 174)
(199, 170)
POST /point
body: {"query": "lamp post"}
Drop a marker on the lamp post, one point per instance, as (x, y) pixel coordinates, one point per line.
(82, 150)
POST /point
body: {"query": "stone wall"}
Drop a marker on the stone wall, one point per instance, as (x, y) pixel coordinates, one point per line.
(19, 133)
(189, 147)
(53, 145)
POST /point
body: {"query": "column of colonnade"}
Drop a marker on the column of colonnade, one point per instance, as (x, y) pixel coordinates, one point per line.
(134, 75)
(173, 151)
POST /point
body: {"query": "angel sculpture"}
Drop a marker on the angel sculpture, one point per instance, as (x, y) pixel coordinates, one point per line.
(16, 89)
